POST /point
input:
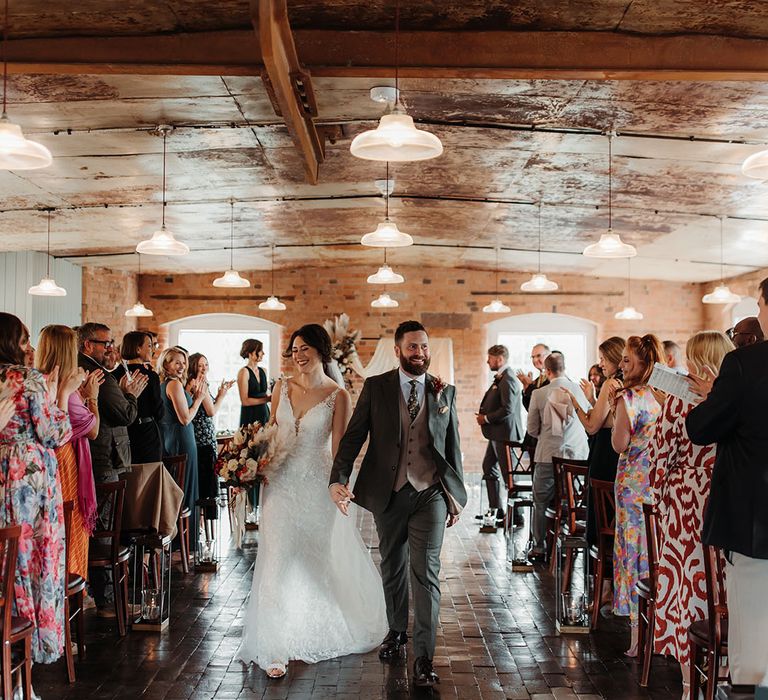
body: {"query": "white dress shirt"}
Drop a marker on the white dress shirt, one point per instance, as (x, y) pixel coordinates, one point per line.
(405, 386)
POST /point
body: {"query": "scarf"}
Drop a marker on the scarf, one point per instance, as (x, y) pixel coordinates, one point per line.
(82, 421)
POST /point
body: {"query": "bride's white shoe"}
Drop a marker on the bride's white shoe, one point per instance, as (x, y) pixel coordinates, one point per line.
(276, 670)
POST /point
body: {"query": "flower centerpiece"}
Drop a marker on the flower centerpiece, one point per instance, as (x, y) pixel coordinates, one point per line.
(343, 340)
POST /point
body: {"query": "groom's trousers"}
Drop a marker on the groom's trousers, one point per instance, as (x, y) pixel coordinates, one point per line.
(411, 529)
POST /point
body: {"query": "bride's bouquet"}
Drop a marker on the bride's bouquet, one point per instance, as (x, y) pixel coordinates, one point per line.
(254, 452)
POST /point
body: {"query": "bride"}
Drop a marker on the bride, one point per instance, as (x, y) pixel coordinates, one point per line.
(316, 593)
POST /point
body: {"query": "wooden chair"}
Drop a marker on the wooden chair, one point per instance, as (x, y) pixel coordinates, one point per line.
(559, 506)
(14, 629)
(519, 482)
(604, 499)
(112, 555)
(177, 466)
(73, 601)
(646, 594)
(574, 516)
(709, 638)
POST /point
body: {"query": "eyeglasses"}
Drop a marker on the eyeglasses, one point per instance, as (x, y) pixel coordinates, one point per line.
(537, 355)
(106, 343)
(732, 333)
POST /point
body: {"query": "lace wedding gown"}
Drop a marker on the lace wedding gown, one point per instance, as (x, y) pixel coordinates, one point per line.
(316, 593)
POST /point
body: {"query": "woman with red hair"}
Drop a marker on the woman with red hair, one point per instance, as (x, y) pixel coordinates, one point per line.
(635, 420)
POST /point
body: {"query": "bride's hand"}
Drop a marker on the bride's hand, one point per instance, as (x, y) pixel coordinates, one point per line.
(341, 496)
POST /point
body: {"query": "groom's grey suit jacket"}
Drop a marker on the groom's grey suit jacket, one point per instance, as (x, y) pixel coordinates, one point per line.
(377, 414)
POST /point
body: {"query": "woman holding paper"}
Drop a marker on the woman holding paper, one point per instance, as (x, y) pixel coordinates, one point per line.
(681, 473)
(635, 420)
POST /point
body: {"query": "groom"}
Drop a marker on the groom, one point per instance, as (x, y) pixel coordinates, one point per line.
(411, 480)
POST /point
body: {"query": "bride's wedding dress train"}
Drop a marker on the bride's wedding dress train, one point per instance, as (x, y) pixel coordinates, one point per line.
(316, 593)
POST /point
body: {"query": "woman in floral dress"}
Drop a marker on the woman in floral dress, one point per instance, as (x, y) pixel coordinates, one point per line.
(681, 473)
(634, 423)
(30, 492)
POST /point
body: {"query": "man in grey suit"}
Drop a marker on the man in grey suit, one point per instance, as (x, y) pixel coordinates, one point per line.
(411, 479)
(500, 418)
(559, 433)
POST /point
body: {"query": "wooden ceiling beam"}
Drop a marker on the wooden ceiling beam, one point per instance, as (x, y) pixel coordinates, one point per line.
(470, 54)
(288, 83)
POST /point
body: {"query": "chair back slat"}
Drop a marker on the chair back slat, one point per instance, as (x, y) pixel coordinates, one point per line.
(652, 536)
(69, 507)
(717, 602)
(9, 550)
(110, 498)
(602, 495)
(575, 492)
(177, 467)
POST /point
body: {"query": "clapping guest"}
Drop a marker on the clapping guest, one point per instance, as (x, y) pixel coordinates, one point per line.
(57, 347)
(746, 332)
(144, 433)
(31, 496)
(180, 408)
(598, 422)
(252, 384)
(635, 420)
(591, 385)
(202, 423)
(681, 473)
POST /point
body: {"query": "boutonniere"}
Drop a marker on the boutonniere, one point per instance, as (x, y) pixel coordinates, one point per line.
(437, 386)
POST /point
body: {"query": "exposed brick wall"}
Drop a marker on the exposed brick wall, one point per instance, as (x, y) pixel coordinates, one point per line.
(450, 303)
(106, 296)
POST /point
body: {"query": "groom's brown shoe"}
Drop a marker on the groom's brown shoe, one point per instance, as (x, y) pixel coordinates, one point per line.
(393, 646)
(424, 675)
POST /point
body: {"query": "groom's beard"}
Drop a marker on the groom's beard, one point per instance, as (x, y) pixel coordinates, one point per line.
(415, 370)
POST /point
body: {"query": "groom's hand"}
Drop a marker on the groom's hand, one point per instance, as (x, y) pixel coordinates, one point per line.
(451, 520)
(341, 496)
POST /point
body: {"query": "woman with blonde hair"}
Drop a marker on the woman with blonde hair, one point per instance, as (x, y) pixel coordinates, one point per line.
(634, 423)
(57, 347)
(180, 408)
(681, 473)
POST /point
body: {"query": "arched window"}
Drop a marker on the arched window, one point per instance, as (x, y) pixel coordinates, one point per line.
(746, 307)
(219, 337)
(575, 337)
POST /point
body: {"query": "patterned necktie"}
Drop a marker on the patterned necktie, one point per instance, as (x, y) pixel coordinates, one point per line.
(413, 401)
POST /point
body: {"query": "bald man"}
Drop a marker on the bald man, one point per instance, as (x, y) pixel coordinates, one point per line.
(746, 332)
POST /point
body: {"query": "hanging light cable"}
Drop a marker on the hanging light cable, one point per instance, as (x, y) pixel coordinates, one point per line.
(16, 151)
(629, 312)
(387, 235)
(138, 310)
(272, 303)
(496, 306)
(396, 138)
(721, 293)
(539, 282)
(231, 278)
(47, 286)
(163, 242)
(610, 244)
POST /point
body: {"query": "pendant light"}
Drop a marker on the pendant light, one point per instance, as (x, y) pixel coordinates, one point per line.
(539, 282)
(387, 235)
(496, 306)
(396, 138)
(629, 312)
(231, 278)
(272, 303)
(756, 166)
(138, 310)
(385, 274)
(163, 241)
(721, 294)
(16, 151)
(47, 286)
(610, 244)
(384, 301)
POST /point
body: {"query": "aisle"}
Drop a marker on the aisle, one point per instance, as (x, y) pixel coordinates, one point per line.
(497, 641)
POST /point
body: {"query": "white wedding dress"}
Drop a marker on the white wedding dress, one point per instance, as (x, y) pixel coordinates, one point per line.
(316, 593)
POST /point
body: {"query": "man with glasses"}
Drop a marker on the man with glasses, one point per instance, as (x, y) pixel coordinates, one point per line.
(110, 449)
(746, 332)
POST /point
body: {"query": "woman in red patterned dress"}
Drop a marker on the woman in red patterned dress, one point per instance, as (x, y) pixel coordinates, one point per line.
(680, 476)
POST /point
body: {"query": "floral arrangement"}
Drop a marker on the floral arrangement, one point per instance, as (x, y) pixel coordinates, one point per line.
(343, 341)
(254, 452)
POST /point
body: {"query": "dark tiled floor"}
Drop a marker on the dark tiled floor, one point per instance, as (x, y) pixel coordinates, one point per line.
(497, 641)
